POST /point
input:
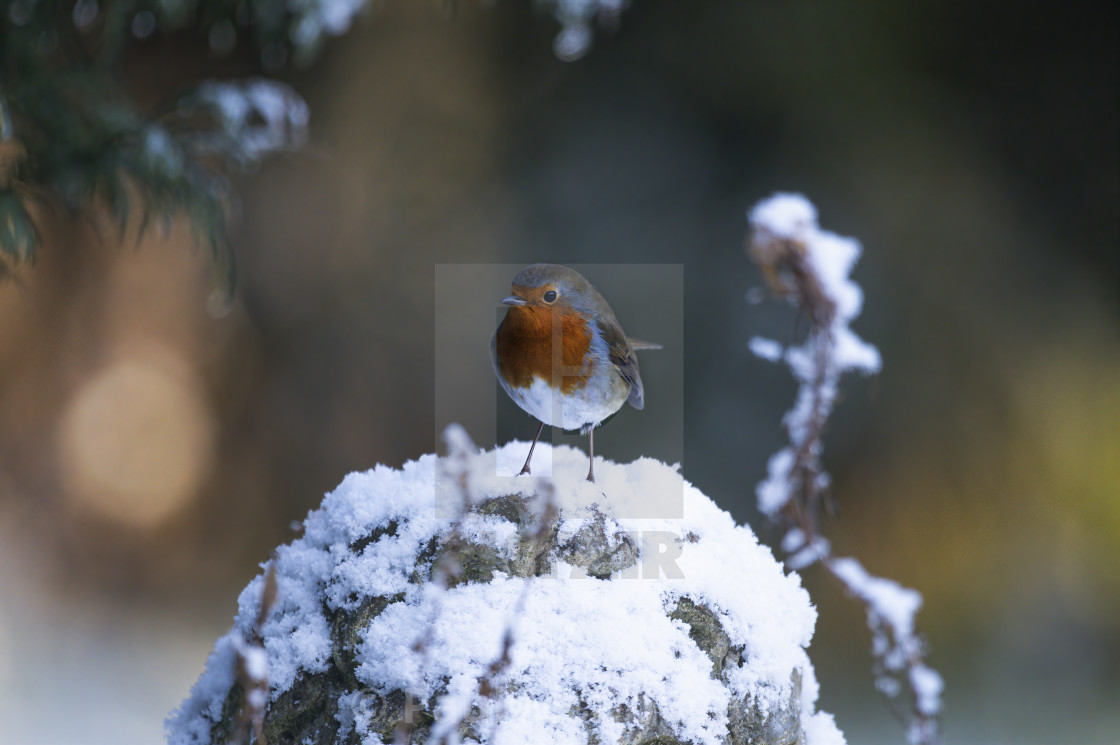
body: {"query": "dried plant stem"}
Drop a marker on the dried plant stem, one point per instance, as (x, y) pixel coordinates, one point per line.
(252, 670)
(809, 267)
(489, 684)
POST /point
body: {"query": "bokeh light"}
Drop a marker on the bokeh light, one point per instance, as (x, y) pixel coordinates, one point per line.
(136, 439)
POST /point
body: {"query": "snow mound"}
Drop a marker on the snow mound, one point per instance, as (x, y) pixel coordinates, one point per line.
(572, 625)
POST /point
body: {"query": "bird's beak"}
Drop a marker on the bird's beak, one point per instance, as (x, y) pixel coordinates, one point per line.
(513, 300)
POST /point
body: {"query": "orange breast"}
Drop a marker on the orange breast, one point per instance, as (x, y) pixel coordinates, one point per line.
(524, 348)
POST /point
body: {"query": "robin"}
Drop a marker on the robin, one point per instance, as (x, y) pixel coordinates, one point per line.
(562, 357)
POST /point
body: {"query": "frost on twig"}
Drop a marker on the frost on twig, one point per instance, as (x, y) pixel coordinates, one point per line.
(899, 664)
(809, 268)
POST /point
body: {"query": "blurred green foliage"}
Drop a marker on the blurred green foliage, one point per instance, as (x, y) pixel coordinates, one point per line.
(72, 135)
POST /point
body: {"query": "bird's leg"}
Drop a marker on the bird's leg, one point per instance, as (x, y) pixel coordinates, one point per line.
(525, 469)
(591, 452)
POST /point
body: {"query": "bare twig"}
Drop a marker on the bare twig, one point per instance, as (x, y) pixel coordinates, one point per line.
(252, 670)
(490, 683)
(456, 468)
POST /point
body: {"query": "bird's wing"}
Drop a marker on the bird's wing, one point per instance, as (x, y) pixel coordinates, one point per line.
(494, 351)
(622, 357)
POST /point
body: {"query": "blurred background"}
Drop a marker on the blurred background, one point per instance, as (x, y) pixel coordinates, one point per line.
(155, 445)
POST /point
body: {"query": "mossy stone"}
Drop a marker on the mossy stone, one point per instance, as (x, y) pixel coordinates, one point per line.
(346, 633)
(704, 628)
(307, 711)
(601, 549)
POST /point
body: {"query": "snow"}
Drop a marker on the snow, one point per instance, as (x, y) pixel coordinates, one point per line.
(891, 601)
(802, 553)
(767, 349)
(629, 649)
(575, 17)
(820, 729)
(256, 662)
(258, 115)
(609, 640)
(774, 492)
(191, 722)
(891, 609)
(316, 19)
(158, 147)
(793, 217)
(927, 685)
(789, 216)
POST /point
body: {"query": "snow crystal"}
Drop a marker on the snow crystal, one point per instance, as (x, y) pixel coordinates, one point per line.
(793, 217)
(789, 216)
(927, 685)
(815, 550)
(775, 490)
(158, 147)
(337, 15)
(767, 349)
(575, 17)
(854, 353)
(891, 601)
(315, 19)
(820, 729)
(578, 641)
(191, 723)
(572, 42)
(84, 14)
(256, 662)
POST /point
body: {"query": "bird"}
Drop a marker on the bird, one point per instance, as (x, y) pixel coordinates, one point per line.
(562, 356)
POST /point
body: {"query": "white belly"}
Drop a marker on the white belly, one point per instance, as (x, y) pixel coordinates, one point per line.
(581, 408)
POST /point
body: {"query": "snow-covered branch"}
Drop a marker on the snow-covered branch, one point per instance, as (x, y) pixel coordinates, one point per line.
(254, 117)
(577, 18)
(898, 650)
(809, 267)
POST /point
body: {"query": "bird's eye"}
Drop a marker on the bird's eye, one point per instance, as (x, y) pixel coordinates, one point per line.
(550, 296)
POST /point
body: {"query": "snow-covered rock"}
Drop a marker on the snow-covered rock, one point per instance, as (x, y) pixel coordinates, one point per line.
(680, 629)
